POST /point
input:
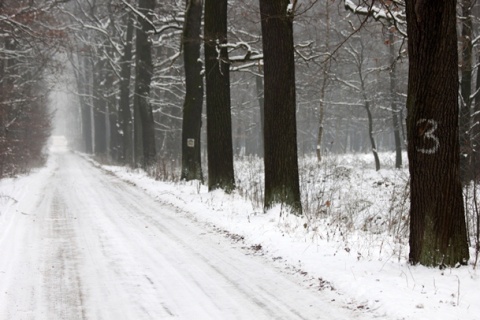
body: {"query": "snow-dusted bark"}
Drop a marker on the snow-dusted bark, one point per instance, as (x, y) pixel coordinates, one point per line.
(219, 118)
(144, 127)
(192, 107)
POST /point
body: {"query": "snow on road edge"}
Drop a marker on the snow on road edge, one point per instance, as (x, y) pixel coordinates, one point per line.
(387, 287)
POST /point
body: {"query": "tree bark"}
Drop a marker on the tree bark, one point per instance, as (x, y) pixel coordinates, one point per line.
(396, 120)
(192, 107)
(321, 116)
(145, 155)
(325, 83)
(261, 104)
(370, 132)
(125, 114)
(219, 118)
(476, 129)
(81, 74)
(99, 109)
(466, 68)
(281, 162)
(437, 220)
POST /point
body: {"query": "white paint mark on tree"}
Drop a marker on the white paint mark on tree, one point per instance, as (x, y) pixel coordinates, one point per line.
(430, 126)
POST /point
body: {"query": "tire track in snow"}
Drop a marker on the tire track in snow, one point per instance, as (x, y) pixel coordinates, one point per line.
(174, 264)
(61, 279)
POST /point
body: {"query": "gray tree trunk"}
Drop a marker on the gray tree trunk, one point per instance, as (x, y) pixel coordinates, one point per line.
(396, 120)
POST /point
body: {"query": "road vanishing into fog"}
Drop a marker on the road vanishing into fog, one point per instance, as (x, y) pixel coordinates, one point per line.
(83, 244)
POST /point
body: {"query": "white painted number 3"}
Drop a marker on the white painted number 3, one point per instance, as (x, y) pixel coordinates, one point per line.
(430, 125)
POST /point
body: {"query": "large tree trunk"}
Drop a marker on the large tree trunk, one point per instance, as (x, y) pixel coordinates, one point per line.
(281, 163)
(125, 115)
(145, 155)
(466, 49)
(437, 219)
(219, 118)
(192, 107)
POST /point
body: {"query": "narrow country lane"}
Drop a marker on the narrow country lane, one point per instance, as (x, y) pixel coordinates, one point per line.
(83, 244)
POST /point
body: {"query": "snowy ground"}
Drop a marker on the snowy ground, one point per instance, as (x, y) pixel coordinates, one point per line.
(353, 240)
(80, 241)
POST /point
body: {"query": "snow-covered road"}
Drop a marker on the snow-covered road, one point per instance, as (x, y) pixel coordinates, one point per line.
(82, 244)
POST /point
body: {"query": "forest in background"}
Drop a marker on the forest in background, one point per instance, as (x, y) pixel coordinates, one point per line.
(341, 61)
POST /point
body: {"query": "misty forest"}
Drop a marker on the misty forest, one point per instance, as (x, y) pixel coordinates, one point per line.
(346, 119)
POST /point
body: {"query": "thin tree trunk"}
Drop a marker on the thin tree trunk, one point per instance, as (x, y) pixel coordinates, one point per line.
(219, 118)
(80, 69)
(99, 109)
(261, 103)
(321, 115)
(369, 116)
(370, 134)
(87, 110)
(108, 131)
(115, 134)
(393, 102)
(323, 88)
(137, 135)
(110, 110)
